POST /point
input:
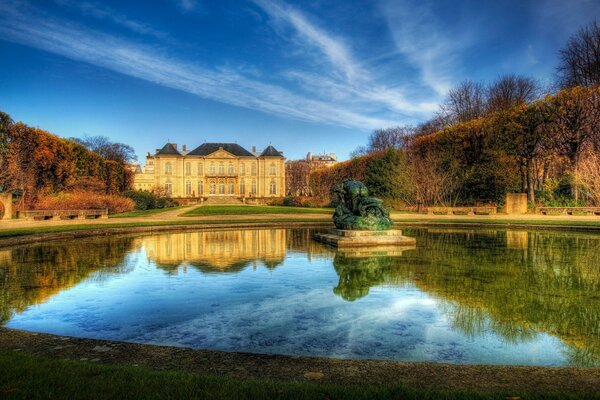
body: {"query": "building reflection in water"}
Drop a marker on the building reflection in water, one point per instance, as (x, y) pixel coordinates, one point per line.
(216, 251)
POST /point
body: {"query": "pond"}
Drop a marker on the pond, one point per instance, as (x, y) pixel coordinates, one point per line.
(461, 296)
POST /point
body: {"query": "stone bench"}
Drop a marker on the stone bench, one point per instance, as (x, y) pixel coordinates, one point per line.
(45, 215)
(484, 210)
(569, 210)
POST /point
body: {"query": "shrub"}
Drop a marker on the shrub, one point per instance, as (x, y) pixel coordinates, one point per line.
(85, 201)
(147, 200)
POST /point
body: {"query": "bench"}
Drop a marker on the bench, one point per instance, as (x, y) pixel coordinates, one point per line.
(484, 210)
(45, 215)
(582, 211)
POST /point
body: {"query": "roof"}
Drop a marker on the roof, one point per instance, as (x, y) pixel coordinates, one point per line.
(209, 148)
(168, 149)
(271, 152)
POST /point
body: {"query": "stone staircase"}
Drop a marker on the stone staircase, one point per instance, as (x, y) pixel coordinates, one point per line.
(225, 200)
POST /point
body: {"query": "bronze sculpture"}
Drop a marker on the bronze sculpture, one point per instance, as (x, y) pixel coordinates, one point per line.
(356, 210)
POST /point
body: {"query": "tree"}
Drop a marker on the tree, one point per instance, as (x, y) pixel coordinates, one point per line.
(576, 125)
(383, 139)
(579, 63)
(389, 176)
(465, 102)
(512, 90)
(297, 175)
(101, 145)
(524, 134)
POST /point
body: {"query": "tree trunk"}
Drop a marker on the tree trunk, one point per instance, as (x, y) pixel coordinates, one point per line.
(530, 190)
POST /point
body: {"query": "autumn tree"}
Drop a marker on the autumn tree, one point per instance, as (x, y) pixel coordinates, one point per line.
(523, 131)
(297, 176)
(383, 139)
(576, 125)
(579, 63)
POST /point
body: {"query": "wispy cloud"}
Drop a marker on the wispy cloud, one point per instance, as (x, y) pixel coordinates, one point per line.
(154, 65)
(356, 83)
(186, 5)
(429, 47)
(102, 12)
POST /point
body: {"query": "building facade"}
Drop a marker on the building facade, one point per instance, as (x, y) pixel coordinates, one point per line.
(213, 170)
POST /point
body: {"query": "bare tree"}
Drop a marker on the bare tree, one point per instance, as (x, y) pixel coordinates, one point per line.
(580, 58)
(383, 139)
(511, 90)
(102, 146)
(465, 102)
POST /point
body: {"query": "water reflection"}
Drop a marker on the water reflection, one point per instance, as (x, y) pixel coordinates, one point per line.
(522, 287)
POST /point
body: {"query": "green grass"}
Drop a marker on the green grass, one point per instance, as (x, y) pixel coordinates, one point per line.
(142, 213)
(30, 377)
(249, 210)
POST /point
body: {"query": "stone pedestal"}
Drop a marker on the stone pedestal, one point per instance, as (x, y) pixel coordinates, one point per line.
(356, 239)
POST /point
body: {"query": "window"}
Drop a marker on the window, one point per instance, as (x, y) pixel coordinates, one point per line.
(273, 187)
(168, 168)
(253, 169)
(199, 168)
(242, 187)
(211, 168)
(231, 187)
(242, 169)
(230, 169)
(221, 169)
(188, 168)
(221, 188)
(169, 188)
(200, 188)
(253, 188)
(188, 188)
(211, 187)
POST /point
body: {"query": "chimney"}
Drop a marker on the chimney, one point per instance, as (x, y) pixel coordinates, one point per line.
(184, 148)
(254, 149)
(175, 145)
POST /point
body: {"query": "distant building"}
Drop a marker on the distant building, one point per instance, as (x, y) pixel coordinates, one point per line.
(321, 160)
(213, 170)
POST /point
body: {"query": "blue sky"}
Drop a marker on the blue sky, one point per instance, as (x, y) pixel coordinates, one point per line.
(305, 76)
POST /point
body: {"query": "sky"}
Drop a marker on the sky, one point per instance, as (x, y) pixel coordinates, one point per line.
(304, 76)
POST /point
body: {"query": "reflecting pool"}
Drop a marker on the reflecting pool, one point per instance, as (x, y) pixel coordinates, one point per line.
(460, 296)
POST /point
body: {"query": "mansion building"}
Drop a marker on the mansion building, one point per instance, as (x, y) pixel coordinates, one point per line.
(213, 170)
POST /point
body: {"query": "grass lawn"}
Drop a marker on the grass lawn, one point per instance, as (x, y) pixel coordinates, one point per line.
(142, 213)
(30, 377)
(249, 210)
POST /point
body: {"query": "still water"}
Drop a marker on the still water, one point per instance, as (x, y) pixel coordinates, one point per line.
(460, 296)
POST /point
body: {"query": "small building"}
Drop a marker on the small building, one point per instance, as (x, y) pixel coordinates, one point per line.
(321, 160)
(213, 170)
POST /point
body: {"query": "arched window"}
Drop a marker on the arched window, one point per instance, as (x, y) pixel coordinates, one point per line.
(230, 169)
(211, 187)
(188, 168)
(273, 187)
(188, 188)
(169, 188)
(242, 187)
(253, 188)
(211, 168)
(253, 169)
(272, 169)
(200, 188)
(231, 187)
(199, 168)
(242, 169)
(221, 169)
(168, 168)
(221, 188)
